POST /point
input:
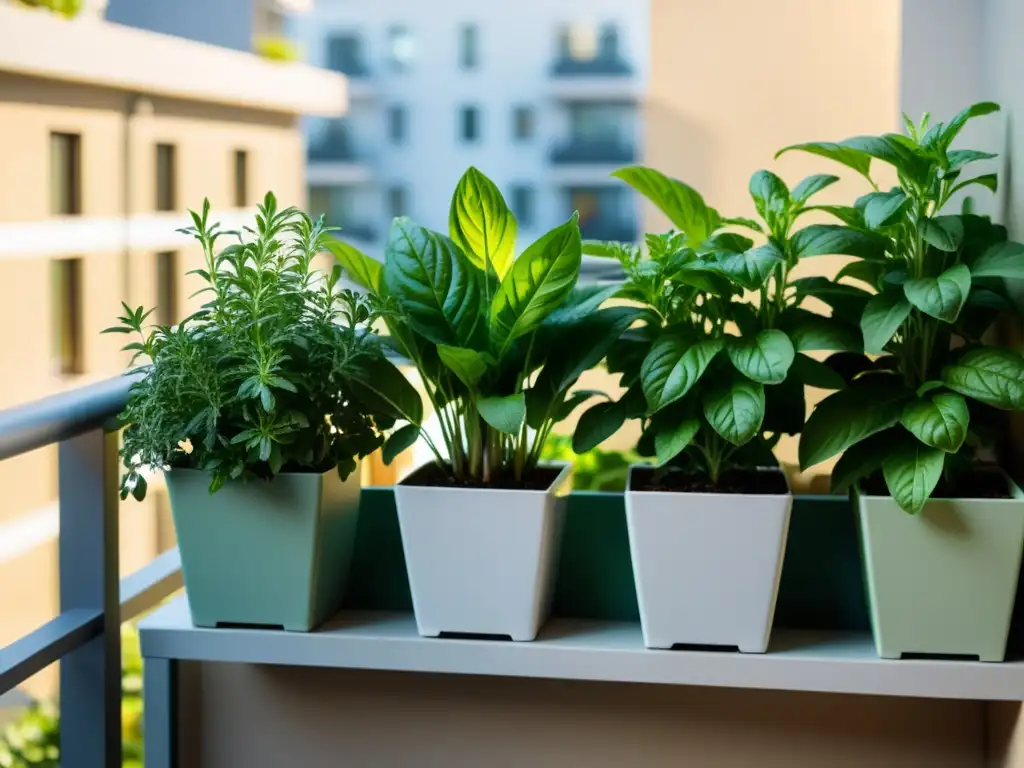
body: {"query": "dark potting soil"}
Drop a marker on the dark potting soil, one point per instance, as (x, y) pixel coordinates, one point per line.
(741, 481)
(539, 479)
(983, 483)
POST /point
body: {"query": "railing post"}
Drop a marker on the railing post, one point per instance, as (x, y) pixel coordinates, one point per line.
(90, 677)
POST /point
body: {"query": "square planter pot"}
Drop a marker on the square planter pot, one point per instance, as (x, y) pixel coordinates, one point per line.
(706, 565)
(269, 553)
(481, 560)
(942, 581)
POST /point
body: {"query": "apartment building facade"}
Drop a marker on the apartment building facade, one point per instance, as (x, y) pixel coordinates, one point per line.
(541, 96)
(108, 135)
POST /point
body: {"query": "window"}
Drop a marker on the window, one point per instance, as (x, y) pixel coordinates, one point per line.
(241, 178)
(167, 288)
(469, 46)
(66, 303)
(608, 42)
(165, 177)
(523, 123)
(469, 123)
(65, 174)
(577, 42)
(398, 202)
(401, 48)
(523, 204)
(345, 54)
(396, 124)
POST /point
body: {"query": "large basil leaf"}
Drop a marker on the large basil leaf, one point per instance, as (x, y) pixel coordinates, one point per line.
(481, 224)
(954, 126)
(735, 410)
(1000, 260)
(812, 185)
(882, 317)
(912, 471)
(538, 282)
(939, 421)
(851, 158)
(597, 424)
(363, 270)
(752, 268)
(943, 232)
(764, 358)
(468, 364)
(581, 302)
(398, 441)
(848, 416)
(672, 439)
(892, 149)
(941, 297)
(811, 332)
(674, 364)
(770, 194)
(378, 384)
(958, 158)
(883, 208)
(847, 214)
(989, 375)
(989, 181)
(439, 289)
(682, 204)
(815, 373)
(505, 414)
(834, 239)
(785, 406)
(847, 301)
(861, 459)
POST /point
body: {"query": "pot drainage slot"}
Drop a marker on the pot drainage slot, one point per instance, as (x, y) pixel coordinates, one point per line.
(236, 625)
(941, 656)
(706, 648)
(474, 636)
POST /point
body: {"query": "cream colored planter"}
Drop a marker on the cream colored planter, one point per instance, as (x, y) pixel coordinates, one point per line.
(707, 565)
(482, 561)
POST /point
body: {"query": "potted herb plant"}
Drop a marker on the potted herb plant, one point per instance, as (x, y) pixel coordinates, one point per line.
(716, 381)
(498, 341)
(916, 428)
(248, 405)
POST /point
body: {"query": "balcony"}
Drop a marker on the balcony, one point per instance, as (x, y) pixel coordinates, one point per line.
(609, 228)
(357, 231)
(583, 151)
(603, 77)
(334, 158)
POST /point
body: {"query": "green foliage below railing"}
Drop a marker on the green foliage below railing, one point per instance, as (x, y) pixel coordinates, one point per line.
(276, 49)
(68, 8)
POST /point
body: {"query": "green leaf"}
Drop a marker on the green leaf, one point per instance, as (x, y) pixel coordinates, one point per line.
(958, 158)
(883, 208)
(770, 194)
(943, 232)
(847, 301)
(742, 221)
(765, 358)
(380, 386)
(735, 410)
(941, 297)
(468, 364)
(861, 459)
(538, 282)
(847, 214)
(989, 375)
(866, 407)
(139, 489)
(481, 224)
(834, 239)
(505, 414)
(988, 180)
(669, 442)
(1000, 260)
(752, 268)
(581, 302)
(570, 404)
(891, 148)
(815, 373)
(437, 286)
(674, 364)
(399, 441)
(849, 157)
(596, 425)
(912, 471)
(954, 126)
(682, 204)
(940, 421)
(812, 185)
(882, 317)
(810, 332)
(869, 272)
(363, 270)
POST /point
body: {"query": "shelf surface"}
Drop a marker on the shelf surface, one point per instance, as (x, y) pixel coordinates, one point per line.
(570, 649)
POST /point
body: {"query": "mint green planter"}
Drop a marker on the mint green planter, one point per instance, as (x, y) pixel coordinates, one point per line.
(273, 554)
(942, 581)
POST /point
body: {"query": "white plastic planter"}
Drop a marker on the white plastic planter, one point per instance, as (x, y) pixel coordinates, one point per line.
(707, 565)
(481, 560)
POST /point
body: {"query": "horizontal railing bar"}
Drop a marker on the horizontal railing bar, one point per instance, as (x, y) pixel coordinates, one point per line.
(24, 428)
(47, 644)
(150, 584)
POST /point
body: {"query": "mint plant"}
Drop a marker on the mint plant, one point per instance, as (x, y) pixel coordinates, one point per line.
(925, 406)
(266, 376)
(498, 340)
(711, 399)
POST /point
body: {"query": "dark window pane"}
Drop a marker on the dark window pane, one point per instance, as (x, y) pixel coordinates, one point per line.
(167, 287)
(241, 179)
(65, 174)
(165, 177)
(398, 203)
(469, 123)
(66, 302)
(401, 48)
(523, 123)
(469, 46)
(523, 205)
(345, 55)
(396, 124)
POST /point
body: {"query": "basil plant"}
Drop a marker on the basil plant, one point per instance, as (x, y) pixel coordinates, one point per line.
(929, 400)
(498, 340)
(712, 399)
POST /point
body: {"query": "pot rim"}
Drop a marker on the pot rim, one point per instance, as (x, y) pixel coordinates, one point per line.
(706, 494)
(565, 470)
(1016, 494)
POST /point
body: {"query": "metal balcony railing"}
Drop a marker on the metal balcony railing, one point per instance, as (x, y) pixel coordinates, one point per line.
(599, 66)
(85, 637)
(578, 151)
(334, 145)
(360, 231)
(607, 228)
